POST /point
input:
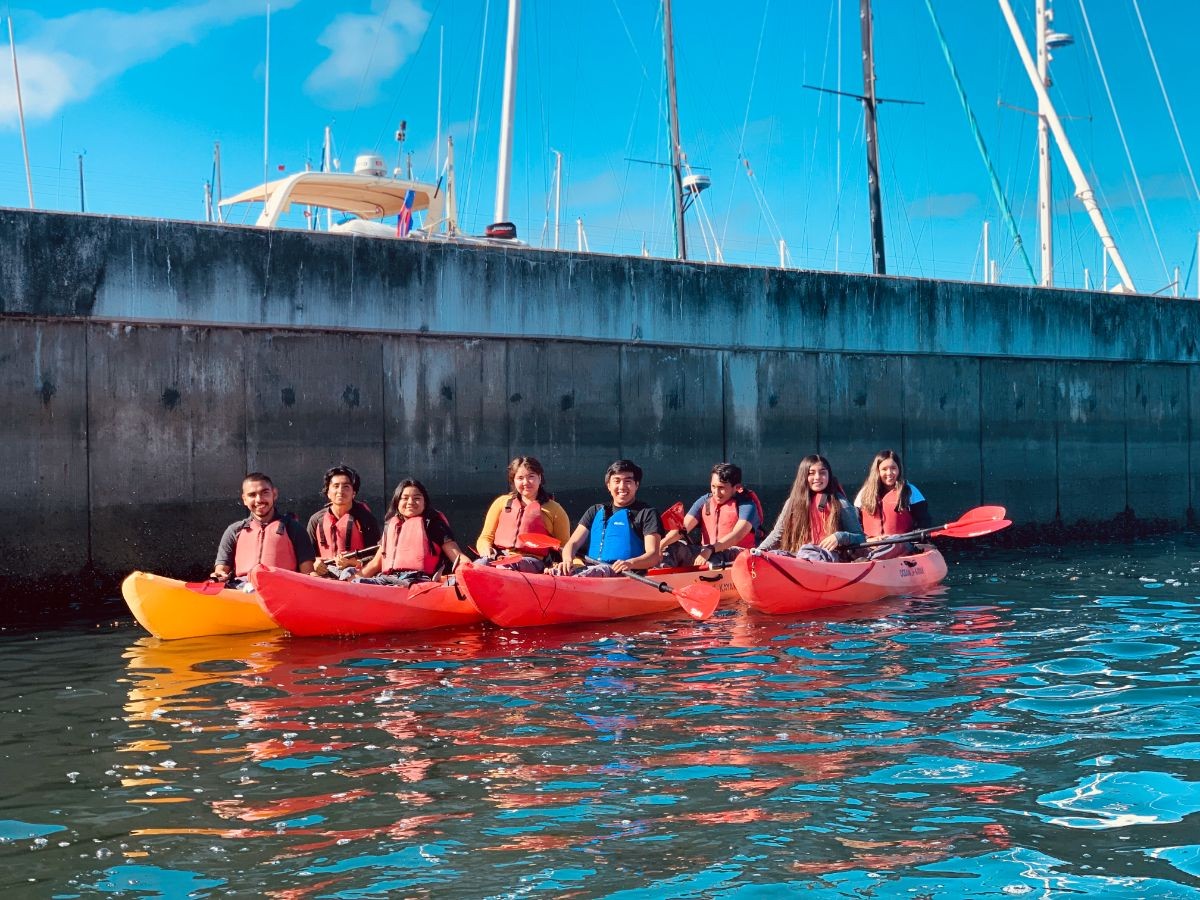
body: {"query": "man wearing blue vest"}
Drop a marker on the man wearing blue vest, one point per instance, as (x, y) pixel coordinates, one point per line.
(621, 536)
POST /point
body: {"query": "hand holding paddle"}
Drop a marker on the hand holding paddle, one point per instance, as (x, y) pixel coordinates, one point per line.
(973, 523)
(321, 566)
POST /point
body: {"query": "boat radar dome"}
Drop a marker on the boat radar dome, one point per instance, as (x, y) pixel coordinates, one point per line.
(368, 164)
(694, 184)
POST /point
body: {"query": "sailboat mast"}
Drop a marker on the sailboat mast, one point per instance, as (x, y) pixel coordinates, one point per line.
(673, 119)
(1045, 225)
(20, 112)
(508, 112)
(870, 130)
(1083, 190)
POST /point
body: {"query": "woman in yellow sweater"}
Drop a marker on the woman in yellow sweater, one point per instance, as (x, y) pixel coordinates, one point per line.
(526, 509)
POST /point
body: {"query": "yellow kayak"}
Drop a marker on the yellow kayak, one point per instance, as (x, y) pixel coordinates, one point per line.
(170, 609)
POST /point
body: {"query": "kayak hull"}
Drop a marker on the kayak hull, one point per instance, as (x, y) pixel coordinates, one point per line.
(169, 609)
(521, 600)
(778, 585)
(312, 607)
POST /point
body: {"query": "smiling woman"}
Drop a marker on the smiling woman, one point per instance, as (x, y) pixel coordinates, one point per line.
(815, 512)
(417, 541)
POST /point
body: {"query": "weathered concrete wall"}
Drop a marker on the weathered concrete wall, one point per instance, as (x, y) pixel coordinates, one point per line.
(146, 365)
(56, 264)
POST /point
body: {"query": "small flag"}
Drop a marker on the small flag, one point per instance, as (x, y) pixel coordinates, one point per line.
(404, 220)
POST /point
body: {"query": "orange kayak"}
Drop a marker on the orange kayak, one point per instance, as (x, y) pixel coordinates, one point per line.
(776, 584)
(170, 609)
(310, 606)
(518, 599)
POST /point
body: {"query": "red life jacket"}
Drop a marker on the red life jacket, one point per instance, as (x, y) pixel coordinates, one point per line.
(887, 519)
(517, 518)
(819, 513)
(258, 543)
(407, 547)
(716, 520)
(336, 535)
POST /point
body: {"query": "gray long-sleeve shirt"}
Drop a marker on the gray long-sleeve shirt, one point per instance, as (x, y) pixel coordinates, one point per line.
(849, 533)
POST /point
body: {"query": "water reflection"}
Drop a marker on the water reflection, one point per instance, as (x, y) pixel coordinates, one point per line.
(999, 738)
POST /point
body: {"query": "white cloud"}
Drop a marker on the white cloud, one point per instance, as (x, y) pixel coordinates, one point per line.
(366, 50)
(65, 60)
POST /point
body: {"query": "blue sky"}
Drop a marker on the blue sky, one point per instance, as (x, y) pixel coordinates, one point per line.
(143, 88)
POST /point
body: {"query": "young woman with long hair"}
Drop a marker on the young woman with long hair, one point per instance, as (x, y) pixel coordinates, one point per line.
(889, 504)
(815, 512)
(417, 542)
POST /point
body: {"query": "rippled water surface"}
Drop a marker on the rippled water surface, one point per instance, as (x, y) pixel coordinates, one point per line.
(1031, 729)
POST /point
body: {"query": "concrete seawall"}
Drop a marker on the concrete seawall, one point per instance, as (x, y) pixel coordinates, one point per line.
(145, 365)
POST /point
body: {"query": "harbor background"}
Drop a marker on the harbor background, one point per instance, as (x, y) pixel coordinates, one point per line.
(148, 364)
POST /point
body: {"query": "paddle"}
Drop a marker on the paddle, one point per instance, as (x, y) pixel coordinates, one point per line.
(206, 587)
(973, 523)
(364, 553)
(532, 541)
(698, 600)
(672, 517)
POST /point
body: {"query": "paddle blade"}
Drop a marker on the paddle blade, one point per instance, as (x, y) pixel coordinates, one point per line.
(537, 542)
(672, 517)
(205, 587)
(698, 600)
(972, 529)
(981, 514)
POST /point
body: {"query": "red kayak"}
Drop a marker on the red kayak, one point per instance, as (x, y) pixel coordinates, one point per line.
(776, 584)
(518, 599)
(309, 606)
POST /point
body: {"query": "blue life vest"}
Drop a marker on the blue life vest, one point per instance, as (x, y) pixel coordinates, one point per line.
(613, 538)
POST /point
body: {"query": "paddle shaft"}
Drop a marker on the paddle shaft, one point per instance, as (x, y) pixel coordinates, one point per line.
(661, 585)
(364, 553)
(960, 529)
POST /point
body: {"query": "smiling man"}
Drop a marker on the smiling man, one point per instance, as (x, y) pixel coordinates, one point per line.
(621, 536)
(729, 517)
(264, 536)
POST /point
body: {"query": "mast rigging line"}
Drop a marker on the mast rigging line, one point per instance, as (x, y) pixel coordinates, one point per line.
(746, 117)
(1170, 111)
(1112, 104)
(1001, 199)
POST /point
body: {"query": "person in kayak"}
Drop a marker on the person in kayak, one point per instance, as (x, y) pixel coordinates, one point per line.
(265, 536)
(417, 542)
(526, 509)
(816, 517)
(623, 536)
(342, 525)
(729, 517)
(887, 503)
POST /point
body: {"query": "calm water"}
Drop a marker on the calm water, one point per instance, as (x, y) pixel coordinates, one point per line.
(1031, 730)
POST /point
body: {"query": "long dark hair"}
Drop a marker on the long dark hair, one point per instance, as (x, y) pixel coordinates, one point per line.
(532, 464)
(797, 529)
(873, 490)
(393, 509)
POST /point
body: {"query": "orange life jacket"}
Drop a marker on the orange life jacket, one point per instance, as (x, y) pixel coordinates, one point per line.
(259, 543)
(887, 519)
(517, 518)
(338, 535)
(719, 519)
(407, 547)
